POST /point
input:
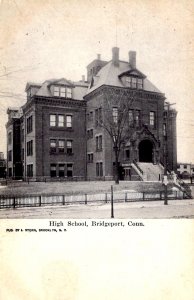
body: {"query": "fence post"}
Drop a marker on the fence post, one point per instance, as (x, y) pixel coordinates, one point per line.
(143, 196)
(85, 198)
(112, 208)
(105, 197)
(126, 197)
(40, 200)
(63, 199)
(14, 203)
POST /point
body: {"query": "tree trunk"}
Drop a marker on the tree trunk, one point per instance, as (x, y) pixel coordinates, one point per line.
(116, 168)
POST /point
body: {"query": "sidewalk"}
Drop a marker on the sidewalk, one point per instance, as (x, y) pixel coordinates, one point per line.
(137, 210)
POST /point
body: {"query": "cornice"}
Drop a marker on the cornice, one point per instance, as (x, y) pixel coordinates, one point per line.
(141, 94)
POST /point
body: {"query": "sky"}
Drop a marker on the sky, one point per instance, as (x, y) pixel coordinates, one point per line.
(53, 39)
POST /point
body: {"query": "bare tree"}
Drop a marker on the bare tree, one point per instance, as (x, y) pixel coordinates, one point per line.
(116, 105)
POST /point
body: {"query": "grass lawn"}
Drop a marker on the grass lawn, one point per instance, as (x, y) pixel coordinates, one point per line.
(75, 188)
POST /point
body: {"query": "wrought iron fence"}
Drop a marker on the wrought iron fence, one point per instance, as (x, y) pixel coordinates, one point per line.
(11, 201)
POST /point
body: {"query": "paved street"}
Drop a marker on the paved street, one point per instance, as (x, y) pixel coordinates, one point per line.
(138, 210)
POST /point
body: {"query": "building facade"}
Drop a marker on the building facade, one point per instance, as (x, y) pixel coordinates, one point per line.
(2, 165)
(151, 123)
(58, 133)
(185, 170)
(13, 127)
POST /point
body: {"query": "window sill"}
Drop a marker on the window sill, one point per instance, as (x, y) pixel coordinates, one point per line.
(54, 128)
(63, 153)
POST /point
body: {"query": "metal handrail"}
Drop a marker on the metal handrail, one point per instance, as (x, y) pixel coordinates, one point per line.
(140, 170)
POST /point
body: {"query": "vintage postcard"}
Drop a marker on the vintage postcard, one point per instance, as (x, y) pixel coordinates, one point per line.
(96, 149)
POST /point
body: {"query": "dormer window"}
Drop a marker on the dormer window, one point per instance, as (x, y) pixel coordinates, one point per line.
(69, 93)
(134, 82)
(56, 91)
(61, 91)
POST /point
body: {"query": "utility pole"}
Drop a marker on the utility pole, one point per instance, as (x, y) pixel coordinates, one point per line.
(165, 154)
(112, 208)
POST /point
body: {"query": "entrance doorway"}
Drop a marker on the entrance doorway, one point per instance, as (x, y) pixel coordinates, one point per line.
(145, 151)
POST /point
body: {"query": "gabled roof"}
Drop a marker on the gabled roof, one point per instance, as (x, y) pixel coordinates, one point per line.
(29, 84)
(62, 82)
(79, 88)
(111, 75)
(134, 72)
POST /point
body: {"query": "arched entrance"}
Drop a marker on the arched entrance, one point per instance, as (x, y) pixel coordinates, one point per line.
(146, 151)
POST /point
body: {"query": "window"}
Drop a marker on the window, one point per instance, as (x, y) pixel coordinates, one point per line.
(61, 121)
(131, 121)
(91, 116)
(10, 172)
(29, 124)
(9, 138)
(90, 133)
(69, 93)
(61, 170)
(10, 155)
(137, 118)
(90, 157)
(30, 148)
(53, 170)
(96, 143)
(61, 146)
(99, 143)
(30, 170)
(139, 83)
(128, 81)
(152, 118)
(53, 146)
(22, 135)
(69, 147)
(98, 116)
(115, 114)
(22, 154)
(61, 91)
(127, 153)
(69, 170)
(164, 129)
(69, 121)
(53, 120)
(134, 82)
(56, 91)
(99, 169)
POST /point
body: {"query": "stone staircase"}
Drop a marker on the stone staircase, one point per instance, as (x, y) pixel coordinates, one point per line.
(151, 172)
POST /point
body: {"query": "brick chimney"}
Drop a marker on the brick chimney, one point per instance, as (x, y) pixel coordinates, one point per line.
(132, 59)
(98, 56)
(115, 56)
